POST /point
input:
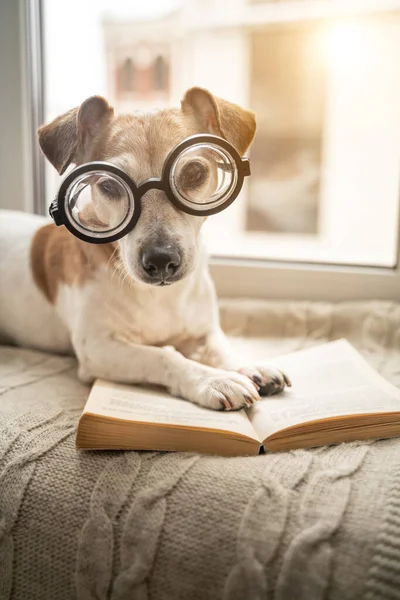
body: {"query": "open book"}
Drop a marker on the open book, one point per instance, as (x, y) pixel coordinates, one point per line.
(336, 397)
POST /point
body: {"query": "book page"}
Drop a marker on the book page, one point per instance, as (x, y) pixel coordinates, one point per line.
(150, 405)
(329, 381)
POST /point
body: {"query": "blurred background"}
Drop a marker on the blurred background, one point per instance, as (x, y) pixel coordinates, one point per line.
(322, 77)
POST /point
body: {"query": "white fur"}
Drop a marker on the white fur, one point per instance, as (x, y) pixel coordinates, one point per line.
(126, 330)
(26, 317)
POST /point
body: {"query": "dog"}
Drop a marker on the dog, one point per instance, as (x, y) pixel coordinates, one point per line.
(124, 322)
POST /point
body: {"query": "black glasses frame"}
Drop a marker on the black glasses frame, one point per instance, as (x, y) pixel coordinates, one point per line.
(57, 208)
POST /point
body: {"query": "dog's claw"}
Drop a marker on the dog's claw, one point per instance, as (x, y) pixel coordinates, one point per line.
(257, 380)
(269, 381)
(227, 404)
(287, 380)
(249, 400)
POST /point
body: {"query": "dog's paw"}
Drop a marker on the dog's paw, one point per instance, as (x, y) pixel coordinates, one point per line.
(269, 380)
(224, 390)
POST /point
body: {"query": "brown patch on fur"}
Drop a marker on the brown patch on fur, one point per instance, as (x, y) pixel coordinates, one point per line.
(93, 132)
(147, 138)
(65, 139)
(58, 257)
(221, 117)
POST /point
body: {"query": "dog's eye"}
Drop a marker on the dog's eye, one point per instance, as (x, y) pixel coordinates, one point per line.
(193, 174)
(110, 188)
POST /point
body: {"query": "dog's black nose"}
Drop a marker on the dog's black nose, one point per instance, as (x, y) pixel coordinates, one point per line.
(160, 262)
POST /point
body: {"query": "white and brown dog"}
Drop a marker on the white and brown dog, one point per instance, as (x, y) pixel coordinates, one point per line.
(102, 302)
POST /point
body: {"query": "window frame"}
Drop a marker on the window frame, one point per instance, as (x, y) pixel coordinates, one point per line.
(304, 281)
(32, 70)
(233, 277)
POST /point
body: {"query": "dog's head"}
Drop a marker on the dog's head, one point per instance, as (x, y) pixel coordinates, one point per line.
(161, 249)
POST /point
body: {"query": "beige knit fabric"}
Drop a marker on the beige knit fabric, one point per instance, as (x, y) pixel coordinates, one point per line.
(304, 525)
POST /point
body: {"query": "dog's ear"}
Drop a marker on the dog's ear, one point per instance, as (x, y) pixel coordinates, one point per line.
(220, 117)
(65, 139)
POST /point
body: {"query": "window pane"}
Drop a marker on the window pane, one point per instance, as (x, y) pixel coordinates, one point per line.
(325, 88)
(287, 92)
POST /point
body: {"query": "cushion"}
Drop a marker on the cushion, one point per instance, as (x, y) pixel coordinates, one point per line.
(306, 524)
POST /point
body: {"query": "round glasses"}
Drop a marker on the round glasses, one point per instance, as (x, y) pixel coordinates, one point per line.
(99, 203)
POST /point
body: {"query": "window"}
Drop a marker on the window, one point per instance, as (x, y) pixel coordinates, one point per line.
(160, 73)
(287, 91)
(128, 79)
(324, 82)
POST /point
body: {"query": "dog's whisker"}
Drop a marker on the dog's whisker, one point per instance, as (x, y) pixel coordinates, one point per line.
(117, 272)
(126, 276)
(120, 271)
(112, 255)
(112, 258)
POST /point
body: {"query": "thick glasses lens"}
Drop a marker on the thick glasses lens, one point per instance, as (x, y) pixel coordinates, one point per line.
(203, 176)
(99, 203)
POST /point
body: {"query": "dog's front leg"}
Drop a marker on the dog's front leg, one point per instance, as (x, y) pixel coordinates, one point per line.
(110, 359)
(214, 350)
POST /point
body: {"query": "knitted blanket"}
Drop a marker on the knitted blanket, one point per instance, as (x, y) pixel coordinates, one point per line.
(303, 525)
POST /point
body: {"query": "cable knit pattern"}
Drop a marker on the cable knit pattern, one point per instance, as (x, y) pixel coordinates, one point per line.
(265, 515)
(384, 576)
(312, 549)
(14, 479)
(94, 568)
(305, 525)
(46, 366)
(143, 527)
